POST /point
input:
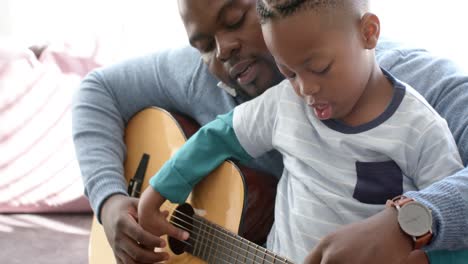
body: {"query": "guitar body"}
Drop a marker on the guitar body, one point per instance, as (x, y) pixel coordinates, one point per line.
(235, 198)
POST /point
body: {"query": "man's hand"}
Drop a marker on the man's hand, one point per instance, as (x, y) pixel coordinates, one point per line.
(118, 216)
(377, 239)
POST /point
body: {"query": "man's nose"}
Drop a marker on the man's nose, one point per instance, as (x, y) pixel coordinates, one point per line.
(226, 46)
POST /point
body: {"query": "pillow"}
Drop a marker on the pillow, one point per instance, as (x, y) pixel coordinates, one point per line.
(38, 168)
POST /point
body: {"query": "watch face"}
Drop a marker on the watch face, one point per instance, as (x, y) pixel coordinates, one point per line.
(415, 219)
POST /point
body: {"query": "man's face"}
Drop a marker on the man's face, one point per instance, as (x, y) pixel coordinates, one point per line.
(228, 35)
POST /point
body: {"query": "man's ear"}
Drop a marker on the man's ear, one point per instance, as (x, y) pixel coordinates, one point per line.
(370, 30)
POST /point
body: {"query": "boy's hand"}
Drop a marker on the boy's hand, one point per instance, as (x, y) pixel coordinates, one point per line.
(153, 220)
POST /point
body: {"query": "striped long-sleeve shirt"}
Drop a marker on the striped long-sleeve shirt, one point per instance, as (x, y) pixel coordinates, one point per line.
(333, 174)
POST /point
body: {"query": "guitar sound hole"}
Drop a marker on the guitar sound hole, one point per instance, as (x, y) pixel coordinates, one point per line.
(183, 219)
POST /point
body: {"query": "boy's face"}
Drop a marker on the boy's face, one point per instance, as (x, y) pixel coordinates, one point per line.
(323, 57)
(228, 35)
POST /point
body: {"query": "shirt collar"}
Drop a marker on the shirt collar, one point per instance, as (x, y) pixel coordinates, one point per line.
(228, 89)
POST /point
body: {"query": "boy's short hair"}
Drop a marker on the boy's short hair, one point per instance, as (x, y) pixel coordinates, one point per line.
(271, 9)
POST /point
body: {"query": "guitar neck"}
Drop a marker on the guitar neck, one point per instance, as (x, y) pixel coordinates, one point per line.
(215, 244)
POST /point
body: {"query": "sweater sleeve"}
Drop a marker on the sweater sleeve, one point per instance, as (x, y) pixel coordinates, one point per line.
(108, 97)
(445, 86)
(201, 154)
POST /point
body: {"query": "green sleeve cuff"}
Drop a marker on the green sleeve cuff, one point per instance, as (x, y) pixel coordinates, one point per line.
(202, 153)
(446, 256)
(170, 183)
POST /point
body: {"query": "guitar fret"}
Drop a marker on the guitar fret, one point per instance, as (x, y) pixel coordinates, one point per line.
(207, 249)
(280, 259)
(241, 249)
(202, 237)
(269, 257)
(230, 244)
(212, 236)
(222, 246)
(256, 251)
(245, 251)
(238, 246)
(225, 246)
(194, 239)
(202, 243)
(264, 255)
(194, 236)
(214, 244)
(249, 246)
(234, 250)
(208, 239)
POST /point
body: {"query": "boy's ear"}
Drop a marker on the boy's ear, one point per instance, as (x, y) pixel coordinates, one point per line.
(370, 30)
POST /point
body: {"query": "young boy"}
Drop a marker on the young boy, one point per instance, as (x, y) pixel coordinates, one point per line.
(351, 135)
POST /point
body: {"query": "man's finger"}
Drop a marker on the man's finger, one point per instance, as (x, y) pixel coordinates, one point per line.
(125, 259)
(315, 257)
(133, 210)
(140, 254)
(148, 240)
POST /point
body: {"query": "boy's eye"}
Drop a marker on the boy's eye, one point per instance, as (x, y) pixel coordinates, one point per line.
(323, 70)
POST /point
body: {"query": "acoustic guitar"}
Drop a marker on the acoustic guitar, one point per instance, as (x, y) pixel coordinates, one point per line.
(228, 214)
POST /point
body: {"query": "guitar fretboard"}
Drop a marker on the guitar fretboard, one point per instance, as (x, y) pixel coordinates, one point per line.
(215, 244)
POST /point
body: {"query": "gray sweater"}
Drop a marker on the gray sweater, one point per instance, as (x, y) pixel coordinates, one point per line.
(178, 81)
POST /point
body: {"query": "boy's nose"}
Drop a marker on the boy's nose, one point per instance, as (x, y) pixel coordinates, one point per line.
(309, 89)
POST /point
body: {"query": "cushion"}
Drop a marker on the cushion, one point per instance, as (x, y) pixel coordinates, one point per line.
(38, 168)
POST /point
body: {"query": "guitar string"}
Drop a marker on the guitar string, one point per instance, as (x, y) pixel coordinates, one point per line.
(237, 238)
(194, 240)
(216, 255)
(255, 259)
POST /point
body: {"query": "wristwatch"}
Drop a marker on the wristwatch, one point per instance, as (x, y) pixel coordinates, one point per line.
(414, 219)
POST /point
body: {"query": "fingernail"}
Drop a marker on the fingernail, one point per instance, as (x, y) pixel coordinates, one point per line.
(185, 235)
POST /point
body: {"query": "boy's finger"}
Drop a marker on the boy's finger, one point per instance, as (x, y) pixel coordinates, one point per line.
(165, 213)
(176, 233)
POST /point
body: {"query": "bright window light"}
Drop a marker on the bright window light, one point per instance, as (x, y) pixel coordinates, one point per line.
(141, 26)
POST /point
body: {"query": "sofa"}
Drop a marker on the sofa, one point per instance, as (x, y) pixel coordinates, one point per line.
(44, 216)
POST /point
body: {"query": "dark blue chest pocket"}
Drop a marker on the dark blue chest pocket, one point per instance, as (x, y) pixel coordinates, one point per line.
(377, 181)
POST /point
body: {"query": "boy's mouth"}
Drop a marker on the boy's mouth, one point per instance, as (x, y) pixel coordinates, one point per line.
(323, 111)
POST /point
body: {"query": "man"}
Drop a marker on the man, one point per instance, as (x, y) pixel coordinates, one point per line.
(229, 42)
